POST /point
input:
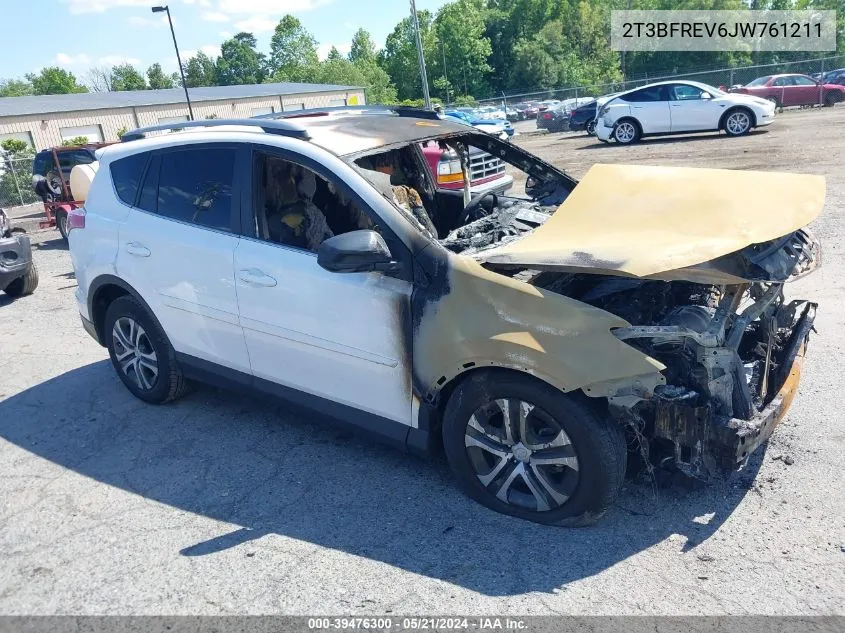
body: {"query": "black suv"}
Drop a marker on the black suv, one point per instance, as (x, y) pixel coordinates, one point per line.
(45, 176)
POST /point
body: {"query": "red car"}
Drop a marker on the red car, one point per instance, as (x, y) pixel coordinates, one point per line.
(793, 90)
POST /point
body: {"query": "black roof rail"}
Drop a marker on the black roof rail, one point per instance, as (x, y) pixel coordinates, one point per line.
(283, 128)
(403, 111)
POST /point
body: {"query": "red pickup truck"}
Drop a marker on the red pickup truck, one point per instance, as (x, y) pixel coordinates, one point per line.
(487, 173)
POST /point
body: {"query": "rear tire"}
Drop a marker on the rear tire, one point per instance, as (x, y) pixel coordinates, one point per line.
(626, 132)
(141, 354)
(831, 99)
(561, 463)
(25, 285)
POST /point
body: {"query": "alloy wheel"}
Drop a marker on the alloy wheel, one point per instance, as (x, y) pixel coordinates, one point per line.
(625, 132)
(521, 455)
(134, 353)
(738, 123)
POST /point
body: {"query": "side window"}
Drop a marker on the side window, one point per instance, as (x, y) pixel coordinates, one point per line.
(195, 185)
(803, 81)
(650, 94)
(297, 207)
(42, 163)
(781, 82)
(67, 160)
(684, 92)
(126, 175)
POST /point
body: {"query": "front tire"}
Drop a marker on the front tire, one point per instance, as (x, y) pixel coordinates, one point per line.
(737, 122)
(141, 354)
(523, 448)
(25, 285)
(591, 128)
(626, 132)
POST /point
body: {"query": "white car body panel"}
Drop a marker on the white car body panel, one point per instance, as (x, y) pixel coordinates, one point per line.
(337, 336)
(185, 273)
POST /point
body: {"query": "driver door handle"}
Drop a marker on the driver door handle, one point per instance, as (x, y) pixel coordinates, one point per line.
(257, 278)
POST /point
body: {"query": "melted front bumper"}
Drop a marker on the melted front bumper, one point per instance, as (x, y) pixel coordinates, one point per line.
(706, 444)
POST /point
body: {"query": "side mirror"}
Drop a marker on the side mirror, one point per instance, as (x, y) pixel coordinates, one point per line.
(706, 95)
(355, 252)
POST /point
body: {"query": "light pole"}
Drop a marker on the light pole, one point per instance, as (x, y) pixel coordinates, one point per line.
(420, 56)
(178, 59)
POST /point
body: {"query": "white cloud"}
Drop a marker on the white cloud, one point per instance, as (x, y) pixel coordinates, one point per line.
(268, 7)
(211, 50)
(225, 34)
(256, 24)
(323, 50)
(63, 59)
(156, 22)
(98, 6)
(214, 16)
(117, 60)
(199, 3)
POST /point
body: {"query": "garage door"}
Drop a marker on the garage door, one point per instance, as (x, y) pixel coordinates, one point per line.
(94, 133)
(26, 137)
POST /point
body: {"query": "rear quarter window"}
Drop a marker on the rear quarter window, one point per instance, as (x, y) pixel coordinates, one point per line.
(126, 175)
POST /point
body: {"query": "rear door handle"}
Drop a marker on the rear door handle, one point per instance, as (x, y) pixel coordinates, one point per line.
(255, 277)
(139, 250)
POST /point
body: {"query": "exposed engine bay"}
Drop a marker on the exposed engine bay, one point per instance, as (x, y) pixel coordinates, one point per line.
(727, 351)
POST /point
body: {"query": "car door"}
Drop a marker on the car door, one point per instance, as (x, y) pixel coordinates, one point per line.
(806, 91)
(692, 108)
(650, 107)
(338, 341)
(177, 245)
(786, 91)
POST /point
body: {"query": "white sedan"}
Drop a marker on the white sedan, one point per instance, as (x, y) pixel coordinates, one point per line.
(674, 107)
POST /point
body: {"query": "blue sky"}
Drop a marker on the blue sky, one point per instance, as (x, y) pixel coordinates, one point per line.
(79, 34)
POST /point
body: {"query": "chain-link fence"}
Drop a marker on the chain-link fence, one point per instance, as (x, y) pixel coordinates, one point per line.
(721, 77)
(16, 181)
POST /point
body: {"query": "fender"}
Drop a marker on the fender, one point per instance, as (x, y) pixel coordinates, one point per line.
(479, 318)
(94, 294)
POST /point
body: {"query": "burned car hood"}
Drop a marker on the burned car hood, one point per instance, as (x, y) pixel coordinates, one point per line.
(703, 225)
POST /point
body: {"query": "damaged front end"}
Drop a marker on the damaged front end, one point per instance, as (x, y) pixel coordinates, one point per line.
(732, 353)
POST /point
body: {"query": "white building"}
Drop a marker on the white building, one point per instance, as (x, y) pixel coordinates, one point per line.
(45, 121)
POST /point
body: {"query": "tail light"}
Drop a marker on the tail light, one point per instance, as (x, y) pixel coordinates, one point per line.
(547, 115)
(449, 169)
(76, 219)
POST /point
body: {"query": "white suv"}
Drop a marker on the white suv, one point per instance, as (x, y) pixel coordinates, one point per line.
(318, 260)
(679, 107)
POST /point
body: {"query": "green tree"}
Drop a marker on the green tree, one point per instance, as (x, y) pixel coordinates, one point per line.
(15, 88)
(125, 77)
(200, 70)
(363, 49)
(15, 180)
(293, 51)
(399, 55)
(464, 47)
(158, 80)
(54, 81)
(76, 140)
(240, 62)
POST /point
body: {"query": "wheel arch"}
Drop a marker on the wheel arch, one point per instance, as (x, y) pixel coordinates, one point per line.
(102, 292)
(734, 108)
